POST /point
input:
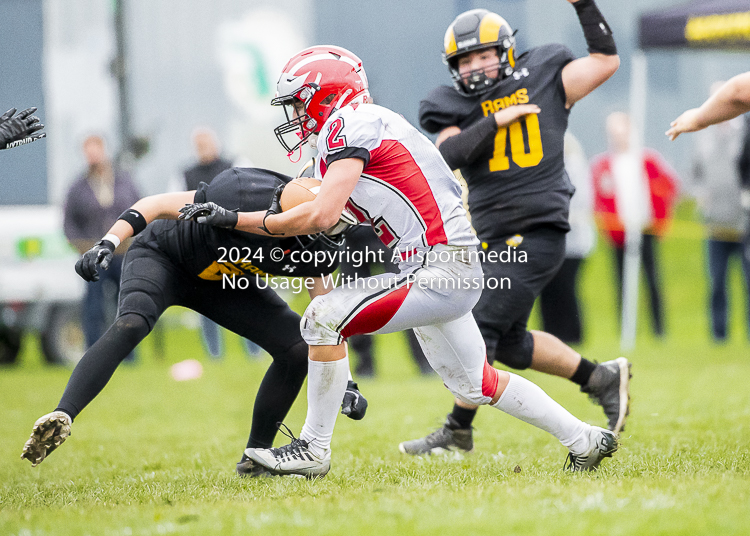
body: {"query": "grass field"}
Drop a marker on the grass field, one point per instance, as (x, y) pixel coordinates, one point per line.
(153, 456)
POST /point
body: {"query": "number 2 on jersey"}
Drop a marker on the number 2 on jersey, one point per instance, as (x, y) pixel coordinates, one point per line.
(335, 139)
(499, 160)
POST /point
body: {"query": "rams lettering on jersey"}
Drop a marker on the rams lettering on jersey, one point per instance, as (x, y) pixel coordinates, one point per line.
(518, 97)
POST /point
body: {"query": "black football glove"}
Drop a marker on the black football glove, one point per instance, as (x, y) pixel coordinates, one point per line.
(275, 207)
(99, 255)
(354, 405)
(209, 213)
(19, 130)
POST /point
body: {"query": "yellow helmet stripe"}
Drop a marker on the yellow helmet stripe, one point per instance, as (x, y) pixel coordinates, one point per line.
(450, 42)
(489, 28)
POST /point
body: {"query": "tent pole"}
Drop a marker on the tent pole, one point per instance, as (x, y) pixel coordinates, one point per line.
(638, 90)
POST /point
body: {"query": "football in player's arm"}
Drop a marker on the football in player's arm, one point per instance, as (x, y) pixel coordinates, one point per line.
(185, 263)
(729, 101)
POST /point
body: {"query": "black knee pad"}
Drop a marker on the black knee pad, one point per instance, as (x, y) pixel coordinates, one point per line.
(131, 326)
(295, 356)
(515, 350)
(141, 303)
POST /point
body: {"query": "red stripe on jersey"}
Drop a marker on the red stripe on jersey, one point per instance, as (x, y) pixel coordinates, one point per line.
(377, 314)
(393, 163)
(354, 209)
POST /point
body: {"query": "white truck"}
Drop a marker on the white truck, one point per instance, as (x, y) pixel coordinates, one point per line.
(39, 289)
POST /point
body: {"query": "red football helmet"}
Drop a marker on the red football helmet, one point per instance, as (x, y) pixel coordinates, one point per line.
(322, 78)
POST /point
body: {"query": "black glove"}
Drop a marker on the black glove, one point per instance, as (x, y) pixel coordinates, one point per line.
(19, 130)
(99, 255)
(354, 405)
(209, 213)
(275, 207)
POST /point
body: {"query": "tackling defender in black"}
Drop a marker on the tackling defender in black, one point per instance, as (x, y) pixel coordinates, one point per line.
(519, 192)
(183, 263)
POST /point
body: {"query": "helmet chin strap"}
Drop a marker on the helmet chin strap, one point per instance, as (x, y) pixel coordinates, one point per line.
(298, 151)
(313, 140)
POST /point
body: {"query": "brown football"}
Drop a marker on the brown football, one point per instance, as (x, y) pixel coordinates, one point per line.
(298, 191)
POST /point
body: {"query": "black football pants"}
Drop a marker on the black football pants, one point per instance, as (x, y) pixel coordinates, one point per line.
(150, 283)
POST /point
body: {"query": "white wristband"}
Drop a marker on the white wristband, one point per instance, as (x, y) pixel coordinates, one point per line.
(112, 238)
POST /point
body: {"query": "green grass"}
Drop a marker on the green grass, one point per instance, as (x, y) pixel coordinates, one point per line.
(153, 456)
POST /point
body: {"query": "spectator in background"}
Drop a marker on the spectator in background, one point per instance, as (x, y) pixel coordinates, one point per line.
(559, 303)
(363, 238)
(96, 199)
(210, 163)
(716, 185)
(634, 192)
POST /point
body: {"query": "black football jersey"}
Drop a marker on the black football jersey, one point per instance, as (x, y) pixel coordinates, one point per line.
(518, 182)
(210, 252)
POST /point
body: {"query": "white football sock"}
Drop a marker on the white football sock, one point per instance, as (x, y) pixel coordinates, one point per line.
(326, 385)
(528, 402)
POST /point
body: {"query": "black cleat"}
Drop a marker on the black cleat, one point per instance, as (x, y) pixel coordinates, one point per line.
(248, 468)
(448, 437)
(609, 386)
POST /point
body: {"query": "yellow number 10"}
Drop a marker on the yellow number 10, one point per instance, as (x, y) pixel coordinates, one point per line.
(500, 162)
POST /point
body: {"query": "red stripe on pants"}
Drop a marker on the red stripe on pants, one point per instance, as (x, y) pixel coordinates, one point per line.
(377, 314)
(490, 379)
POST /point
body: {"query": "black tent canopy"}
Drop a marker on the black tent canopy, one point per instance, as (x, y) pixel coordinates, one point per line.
(701, 24)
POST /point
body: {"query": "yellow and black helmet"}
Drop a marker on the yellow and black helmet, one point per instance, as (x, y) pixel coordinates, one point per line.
(475, 30)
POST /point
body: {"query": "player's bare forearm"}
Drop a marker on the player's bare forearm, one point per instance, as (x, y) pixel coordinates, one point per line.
(300, 220)
(163, 206)
(582, 76)
(154, 207)
(511, 114)
(731, 100)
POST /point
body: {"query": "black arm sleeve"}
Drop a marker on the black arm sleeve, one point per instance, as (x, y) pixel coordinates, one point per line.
(595, 29)
(349, 152)
(464, 148)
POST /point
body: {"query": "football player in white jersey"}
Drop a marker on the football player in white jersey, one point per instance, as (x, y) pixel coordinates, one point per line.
(381, 170)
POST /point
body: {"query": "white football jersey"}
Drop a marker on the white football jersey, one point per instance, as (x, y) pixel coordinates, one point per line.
(406, 191)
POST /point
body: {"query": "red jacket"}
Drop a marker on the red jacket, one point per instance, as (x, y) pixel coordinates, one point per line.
(662, 181)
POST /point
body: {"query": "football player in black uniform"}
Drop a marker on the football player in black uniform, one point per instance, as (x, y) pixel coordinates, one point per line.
(185, 263)
(518, 191)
